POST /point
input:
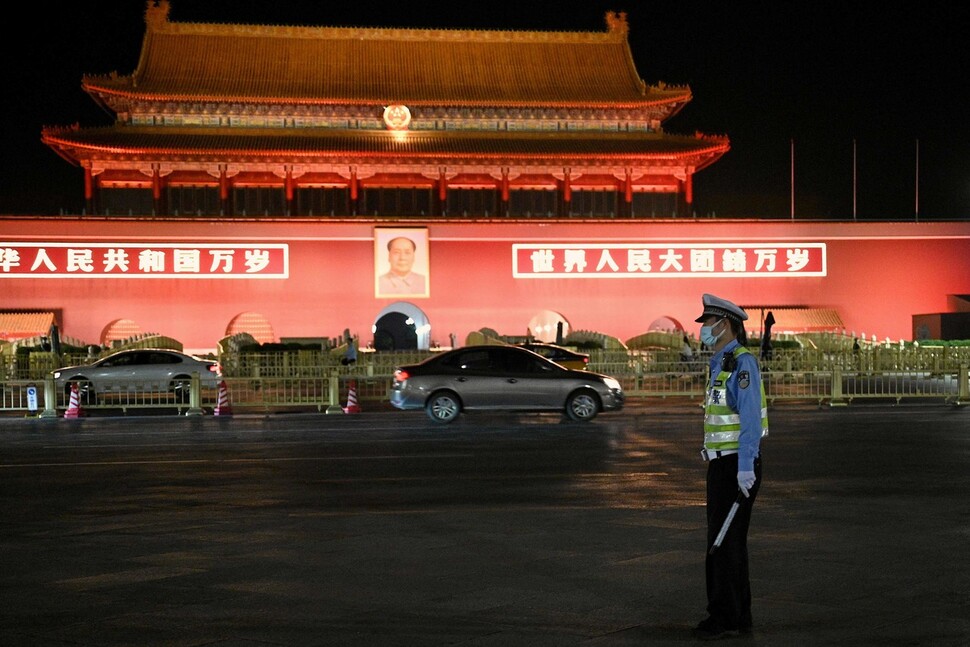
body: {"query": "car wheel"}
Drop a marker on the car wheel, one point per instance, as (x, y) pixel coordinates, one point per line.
(180, 388)
(582, 406)
(443, 407)
(85, 391)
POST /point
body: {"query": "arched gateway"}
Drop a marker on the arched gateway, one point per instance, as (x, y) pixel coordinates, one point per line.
(402, 326)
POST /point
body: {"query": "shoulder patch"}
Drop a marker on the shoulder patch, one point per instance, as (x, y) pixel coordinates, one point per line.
(744, 379)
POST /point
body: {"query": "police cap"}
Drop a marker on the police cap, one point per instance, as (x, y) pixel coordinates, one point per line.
(721, 308)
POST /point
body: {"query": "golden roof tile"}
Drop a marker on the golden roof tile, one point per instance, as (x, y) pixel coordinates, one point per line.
(265, 63)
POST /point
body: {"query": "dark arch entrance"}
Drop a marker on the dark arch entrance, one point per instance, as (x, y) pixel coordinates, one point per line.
(402, 326)
(395, 331)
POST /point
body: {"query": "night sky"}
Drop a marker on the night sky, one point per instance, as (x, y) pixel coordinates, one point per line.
(820, 74)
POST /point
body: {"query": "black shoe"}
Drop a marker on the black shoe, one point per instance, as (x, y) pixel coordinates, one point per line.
(704, 624)
(711, 629)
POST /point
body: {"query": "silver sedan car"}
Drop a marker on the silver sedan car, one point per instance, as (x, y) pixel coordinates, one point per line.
(138, 369)
(501, 378)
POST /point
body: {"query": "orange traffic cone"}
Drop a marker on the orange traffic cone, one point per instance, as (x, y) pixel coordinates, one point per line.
(352, 406)
(222, 407)
(74, 406)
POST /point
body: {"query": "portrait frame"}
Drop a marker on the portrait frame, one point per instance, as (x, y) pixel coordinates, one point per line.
(389, 286)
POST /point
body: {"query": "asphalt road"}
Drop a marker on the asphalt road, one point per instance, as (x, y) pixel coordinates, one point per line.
(382, 529)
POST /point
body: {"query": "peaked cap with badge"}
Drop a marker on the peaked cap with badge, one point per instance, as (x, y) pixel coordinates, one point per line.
(721, 308)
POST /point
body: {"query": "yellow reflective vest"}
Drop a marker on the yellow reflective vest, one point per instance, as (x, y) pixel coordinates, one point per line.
(722, 425)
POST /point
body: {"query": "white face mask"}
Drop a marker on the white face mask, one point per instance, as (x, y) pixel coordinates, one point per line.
(707, 334)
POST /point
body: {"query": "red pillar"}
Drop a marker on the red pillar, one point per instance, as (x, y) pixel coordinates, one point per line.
(224, 190)
(288, 190)
(505, 192)
(88, 190)
(628, 194)
(353, 192)
(157, 190)
(442, 193)
(567, 193)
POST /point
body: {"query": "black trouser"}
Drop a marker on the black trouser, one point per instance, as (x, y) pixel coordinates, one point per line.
(728, 586)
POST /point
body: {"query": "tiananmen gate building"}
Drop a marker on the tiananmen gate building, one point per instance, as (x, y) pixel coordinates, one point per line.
(256, 178)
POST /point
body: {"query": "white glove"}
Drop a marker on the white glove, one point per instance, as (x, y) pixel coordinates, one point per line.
(746, 482)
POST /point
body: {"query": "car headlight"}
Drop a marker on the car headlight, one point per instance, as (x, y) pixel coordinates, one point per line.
(612, 384)
(57, 375)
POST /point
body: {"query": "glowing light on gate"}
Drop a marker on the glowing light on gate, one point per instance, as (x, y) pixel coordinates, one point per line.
(397, 117)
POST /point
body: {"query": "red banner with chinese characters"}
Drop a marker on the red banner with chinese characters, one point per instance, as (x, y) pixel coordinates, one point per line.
(141, 260)
(688, 260)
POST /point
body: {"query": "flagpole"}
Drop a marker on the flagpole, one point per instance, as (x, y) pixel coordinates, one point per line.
(793, 179)
(917, 180)
(854, 181)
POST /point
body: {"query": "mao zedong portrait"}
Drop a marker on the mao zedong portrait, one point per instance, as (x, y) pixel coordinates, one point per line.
(401, 279)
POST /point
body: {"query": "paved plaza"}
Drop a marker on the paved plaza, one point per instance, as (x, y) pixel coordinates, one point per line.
(379, 530)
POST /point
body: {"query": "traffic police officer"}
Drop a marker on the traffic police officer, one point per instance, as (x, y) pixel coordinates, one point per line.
(735, 419)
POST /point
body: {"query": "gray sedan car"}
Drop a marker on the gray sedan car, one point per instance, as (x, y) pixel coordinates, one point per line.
(501, 378)
(146, 369)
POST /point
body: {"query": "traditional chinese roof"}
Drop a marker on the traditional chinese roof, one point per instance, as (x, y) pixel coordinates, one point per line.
(255, 98)
(18, 325)
(796, 318)
(193, 62)
(328, 144)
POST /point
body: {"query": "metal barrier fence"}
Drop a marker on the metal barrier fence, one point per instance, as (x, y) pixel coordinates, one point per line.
(619, 362)
(253, 394)
(835, 387)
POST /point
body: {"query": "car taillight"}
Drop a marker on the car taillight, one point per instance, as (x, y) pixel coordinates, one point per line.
(215, 368)
(400, 376)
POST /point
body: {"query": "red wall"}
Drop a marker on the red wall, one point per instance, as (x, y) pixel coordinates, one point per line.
(878, 276)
